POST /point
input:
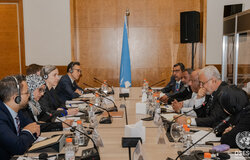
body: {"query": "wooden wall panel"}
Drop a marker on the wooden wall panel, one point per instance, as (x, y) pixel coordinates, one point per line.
(154, 38)
(9, 43)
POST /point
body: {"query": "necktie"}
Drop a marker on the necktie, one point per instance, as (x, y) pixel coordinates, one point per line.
(18, 124)
(177, 87)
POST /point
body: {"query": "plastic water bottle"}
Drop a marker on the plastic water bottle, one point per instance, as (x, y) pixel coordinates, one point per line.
(144, 94)
(157, 107)
(187, 141)
(207, 156)
(97, 99)
(144, 85)
(104, 86)
(79, 136)
(92, 117)
(69, 150)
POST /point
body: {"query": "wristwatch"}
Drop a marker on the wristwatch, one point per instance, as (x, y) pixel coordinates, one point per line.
(188, 121)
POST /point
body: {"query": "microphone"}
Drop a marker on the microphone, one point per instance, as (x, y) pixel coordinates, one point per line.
(113, 109)
(214, 129)
(103, 120)
(156, 83)
(93, 152)
(99, 81)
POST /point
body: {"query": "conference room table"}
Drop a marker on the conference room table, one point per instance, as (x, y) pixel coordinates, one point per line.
(112, 134)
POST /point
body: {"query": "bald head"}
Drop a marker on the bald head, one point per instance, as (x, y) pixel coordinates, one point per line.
(194, 81)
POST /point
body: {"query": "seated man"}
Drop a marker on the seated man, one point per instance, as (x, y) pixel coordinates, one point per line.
(16, 132)
(209, 79)
(175, 82)
(183, 93)
(67, 89)
(33, 69)
(198, 97)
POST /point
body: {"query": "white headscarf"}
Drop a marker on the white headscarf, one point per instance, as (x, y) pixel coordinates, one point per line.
(34, 81)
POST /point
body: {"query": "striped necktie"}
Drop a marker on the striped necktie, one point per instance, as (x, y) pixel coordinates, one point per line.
(18, 124)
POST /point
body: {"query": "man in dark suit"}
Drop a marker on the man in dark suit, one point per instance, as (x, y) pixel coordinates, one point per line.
(182, 91)
(209, 79)
(67, 89)
(175, 83)
(17, 133)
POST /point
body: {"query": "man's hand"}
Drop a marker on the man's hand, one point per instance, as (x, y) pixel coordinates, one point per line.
(78, 91)
(177, 106)
(33, 128)
(181, 120)
(227, 130)
(72, 111)
(68, 121)
(164, 99)
(201, 93)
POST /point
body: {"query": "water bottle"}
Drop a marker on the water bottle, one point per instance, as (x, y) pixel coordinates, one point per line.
(187, 141)
(97, 99)
(207, 156)
(69, 150)
(92, 117)
(79, 136)
(144, 94)
(144, 85)
(150, 96)
(104, 86)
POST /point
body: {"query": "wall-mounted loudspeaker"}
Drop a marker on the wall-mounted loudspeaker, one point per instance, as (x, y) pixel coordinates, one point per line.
(190, 27)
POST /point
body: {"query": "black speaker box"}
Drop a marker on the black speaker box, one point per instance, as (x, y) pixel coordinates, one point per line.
(232, 9)
(190, 27)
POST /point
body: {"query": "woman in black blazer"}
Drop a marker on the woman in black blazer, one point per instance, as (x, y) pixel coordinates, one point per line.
(36, 86)
(235, 103)
(50, 101)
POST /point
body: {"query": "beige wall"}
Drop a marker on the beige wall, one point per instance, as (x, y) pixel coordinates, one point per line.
(215, 11)
(47, 31)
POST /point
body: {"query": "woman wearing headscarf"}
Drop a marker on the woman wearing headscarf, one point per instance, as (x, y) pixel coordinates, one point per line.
(36, 86)
(50, 101)
(235, 103)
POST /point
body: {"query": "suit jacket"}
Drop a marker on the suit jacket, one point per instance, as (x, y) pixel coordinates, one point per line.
(50, 102)
(214, 112)
(45, 127)
(66, 90)
(201, 111)
(170, 87)
(243, 125)
(183, 94)
(11, 143)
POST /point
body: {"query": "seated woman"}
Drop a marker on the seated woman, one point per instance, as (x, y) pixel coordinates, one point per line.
(36, 86)
(235, 103)
(50, 102)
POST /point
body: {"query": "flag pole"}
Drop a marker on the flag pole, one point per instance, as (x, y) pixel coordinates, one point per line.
(127, 17)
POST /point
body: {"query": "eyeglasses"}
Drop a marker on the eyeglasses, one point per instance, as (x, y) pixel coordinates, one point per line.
(41, 90)
(203, 83)
(78, 70)
(178, 70)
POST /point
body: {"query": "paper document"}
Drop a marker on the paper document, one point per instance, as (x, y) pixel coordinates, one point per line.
(211, 137)
(89, 95)
(169, 116)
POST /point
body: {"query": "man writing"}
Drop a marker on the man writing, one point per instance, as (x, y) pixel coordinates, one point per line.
(16, 132)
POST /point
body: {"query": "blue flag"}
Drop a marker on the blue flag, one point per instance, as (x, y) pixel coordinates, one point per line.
(125, 67)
